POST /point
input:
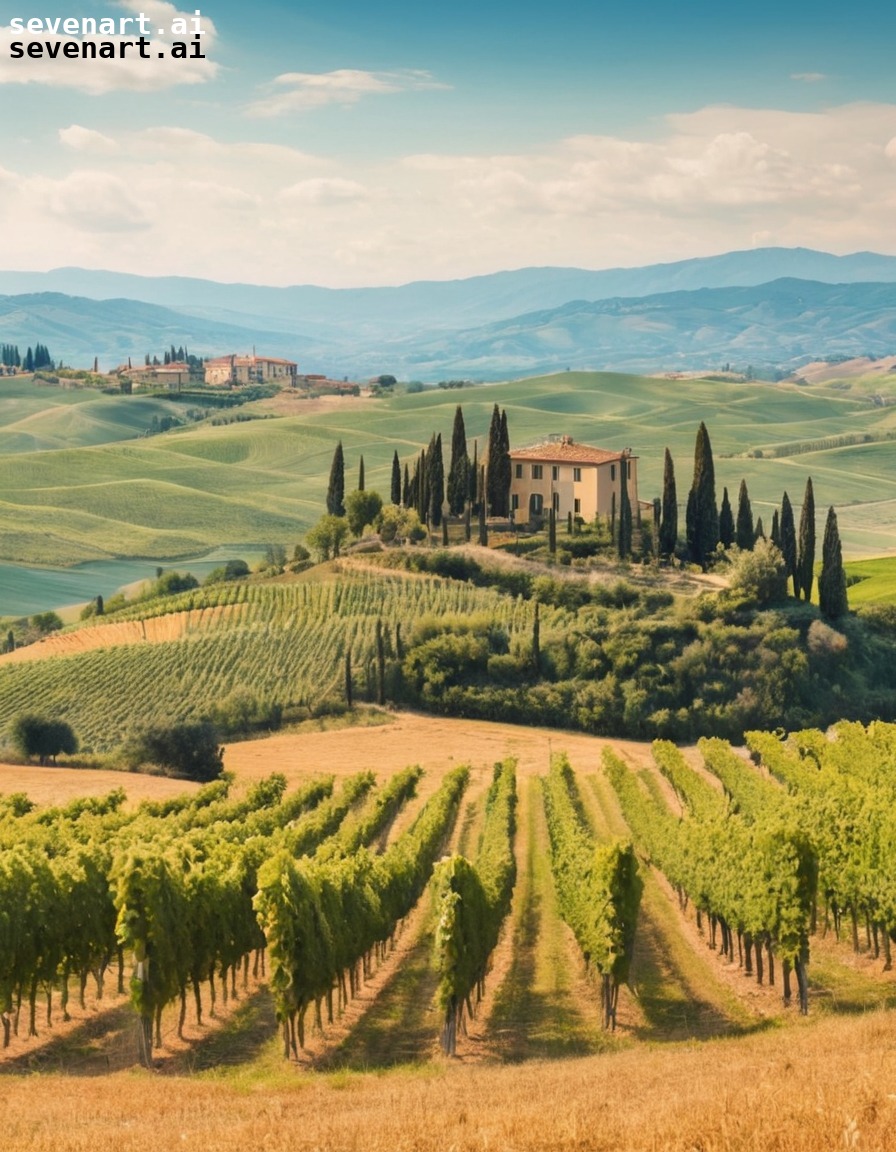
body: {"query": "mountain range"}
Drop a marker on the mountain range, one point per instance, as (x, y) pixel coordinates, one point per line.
(767, 306)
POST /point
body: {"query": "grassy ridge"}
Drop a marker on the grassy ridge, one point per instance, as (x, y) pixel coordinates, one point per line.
(196, 487)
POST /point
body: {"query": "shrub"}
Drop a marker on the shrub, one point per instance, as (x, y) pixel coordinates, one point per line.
(35, 735)
(362, 508)
(232, 570)
(46, 622)
(190, 751)
(170, 583)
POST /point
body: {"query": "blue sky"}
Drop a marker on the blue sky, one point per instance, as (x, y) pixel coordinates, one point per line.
(375, 144)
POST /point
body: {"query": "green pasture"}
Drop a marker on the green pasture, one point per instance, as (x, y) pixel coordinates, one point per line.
(872, 581)
(42, 417)
(109, 495)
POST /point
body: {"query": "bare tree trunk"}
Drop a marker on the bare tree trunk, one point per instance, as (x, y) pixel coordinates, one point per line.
(803, 984)
(197, 996)
(785, 976)
(144, 1040)
(183, 1014)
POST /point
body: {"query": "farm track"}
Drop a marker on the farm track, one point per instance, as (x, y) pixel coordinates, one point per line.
(544, 1007)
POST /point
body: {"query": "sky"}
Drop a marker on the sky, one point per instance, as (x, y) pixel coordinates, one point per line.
(354, 143)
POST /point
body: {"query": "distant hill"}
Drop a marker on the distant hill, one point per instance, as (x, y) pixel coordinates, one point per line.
(785, 323)
(772, 306)
(451, 303)
(77, 329)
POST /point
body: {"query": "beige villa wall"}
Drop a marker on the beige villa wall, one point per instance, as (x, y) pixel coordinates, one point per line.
(594, 490)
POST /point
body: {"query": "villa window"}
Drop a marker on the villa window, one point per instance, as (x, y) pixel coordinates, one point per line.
(536, 471)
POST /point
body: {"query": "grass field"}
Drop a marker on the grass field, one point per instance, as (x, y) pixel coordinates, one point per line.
(874, 581)
(703, 1057)
(194, 488)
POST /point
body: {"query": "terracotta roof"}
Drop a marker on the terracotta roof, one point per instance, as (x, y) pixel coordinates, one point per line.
(244, 361)
(565, 451)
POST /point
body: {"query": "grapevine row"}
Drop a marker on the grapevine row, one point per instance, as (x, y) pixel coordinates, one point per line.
(473, 900)
(598, 887)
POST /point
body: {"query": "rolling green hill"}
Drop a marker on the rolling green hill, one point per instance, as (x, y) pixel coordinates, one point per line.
(194, 488)
(37, 418)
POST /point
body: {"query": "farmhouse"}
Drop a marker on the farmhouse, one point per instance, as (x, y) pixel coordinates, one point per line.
(232, 371)
(570, 477)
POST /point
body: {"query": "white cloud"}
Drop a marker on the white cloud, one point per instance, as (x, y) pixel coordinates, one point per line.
(808, 77)
(325, 190)
(86, 140)
(102, 76)
(180, 201)
(306, 90)
(93, 201)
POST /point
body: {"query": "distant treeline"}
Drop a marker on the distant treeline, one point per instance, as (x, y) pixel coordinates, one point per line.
(34, 359)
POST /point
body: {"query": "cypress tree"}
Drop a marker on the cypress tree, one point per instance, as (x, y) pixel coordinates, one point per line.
(336, 486)
(788, 542)
(806, 542)
(705, 511)
(625, 511)
(569, 523)
(744, 534)
(506, 474)
(468, 527)
(348, 679)
(483, 527)
(445, 531)
(776, 529)
(406, 489)
(760, 531)
(28, 366)
(474, 478)
(361, 475)
(491, 461)
(396, 479)
(100, 606)
(832, 580)
(726, 521)
(668, 524)
(422, 488)
(459, 468)
(690, 529)
(436, 470)
(552, 531)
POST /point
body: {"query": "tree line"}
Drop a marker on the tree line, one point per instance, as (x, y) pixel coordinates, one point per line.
(34, 359)
(421, 492)
(709, 527)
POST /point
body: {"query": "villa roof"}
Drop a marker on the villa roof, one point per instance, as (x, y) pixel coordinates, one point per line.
(564, 450)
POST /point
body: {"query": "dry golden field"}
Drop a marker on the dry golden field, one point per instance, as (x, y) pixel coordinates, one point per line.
(703, 1059)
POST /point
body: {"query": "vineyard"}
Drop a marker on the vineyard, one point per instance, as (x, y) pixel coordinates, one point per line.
(286, 643)
(613, 895)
